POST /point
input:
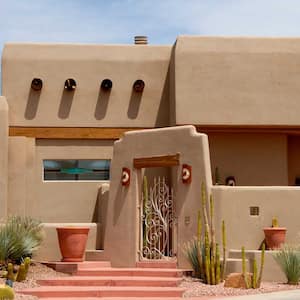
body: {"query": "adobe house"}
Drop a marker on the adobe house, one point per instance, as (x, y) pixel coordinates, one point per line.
(80, 125)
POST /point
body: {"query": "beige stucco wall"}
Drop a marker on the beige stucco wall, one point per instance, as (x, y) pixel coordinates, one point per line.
(233, 205)
(121, 243)
(237, 80)
(66, 201)
(3, 156)
(253, 159)
(57, 203)
(88, 65)
(21, 183)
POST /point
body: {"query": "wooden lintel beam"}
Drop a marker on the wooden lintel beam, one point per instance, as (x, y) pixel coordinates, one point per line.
(70, 132)
(274, 129)
(156, 161)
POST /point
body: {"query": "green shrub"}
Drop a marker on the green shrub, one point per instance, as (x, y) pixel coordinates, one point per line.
(192, 249)
(288, 258)
(19, 238)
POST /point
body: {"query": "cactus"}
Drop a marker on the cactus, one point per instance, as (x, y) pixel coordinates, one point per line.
(262, 262)
(254, 277)
(208, 263)
(207, 258)
(6, 293)
(10, 272)
(274, 222)
(21, 275)
(213, 240)
(218, 264)
(27, 262)
(199, 226)
(224, 250)
(255, 282)
(244, 268)
(204, 210)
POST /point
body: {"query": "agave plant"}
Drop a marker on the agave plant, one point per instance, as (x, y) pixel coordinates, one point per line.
(288, 258)
(19, 238)
(192, 249)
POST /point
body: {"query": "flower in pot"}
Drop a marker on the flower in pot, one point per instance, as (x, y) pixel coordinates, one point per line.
(275, 235)
(72, 242)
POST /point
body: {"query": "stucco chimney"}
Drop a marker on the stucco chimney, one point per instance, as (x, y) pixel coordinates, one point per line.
(141, 40)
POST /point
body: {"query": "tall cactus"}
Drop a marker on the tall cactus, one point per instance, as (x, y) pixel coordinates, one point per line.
(213, 241)
(254, 276)
(224, 250)
(204, 210)
(199, 226)
(262, 262)
(218, 264)
(205, 249)
(244, 272)
(255, 282)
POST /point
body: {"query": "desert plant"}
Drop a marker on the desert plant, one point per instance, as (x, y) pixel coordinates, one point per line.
(255, 282)
(288, 258)
(203, 252)
(274, 222)
(19, 238)
(6, 293)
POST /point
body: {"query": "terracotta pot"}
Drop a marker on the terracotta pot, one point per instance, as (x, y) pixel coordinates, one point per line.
(275, 237)
(72, 242)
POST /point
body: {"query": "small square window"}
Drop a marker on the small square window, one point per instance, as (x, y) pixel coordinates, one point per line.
(254, 210)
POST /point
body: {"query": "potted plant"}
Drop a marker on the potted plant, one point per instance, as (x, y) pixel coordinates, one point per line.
(275, 235)
(72, 242)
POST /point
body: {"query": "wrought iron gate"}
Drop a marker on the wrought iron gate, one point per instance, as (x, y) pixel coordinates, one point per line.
(158, 222)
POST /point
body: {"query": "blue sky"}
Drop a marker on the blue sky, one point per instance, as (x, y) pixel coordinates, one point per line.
(118, 21)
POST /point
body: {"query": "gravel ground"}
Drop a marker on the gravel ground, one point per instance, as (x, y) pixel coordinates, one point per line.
(196, 288)
(36, 271)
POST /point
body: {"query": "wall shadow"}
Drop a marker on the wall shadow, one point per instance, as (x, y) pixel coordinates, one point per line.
(99, 216)
(32, 104)
(119, 202)
(134, 104)
(163, 117)
(102, 103)
(65, 104)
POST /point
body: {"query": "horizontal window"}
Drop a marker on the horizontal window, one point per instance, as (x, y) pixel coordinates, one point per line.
(76, 169)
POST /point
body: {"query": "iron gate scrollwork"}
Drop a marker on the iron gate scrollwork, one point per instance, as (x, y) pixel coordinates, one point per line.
(158, 221)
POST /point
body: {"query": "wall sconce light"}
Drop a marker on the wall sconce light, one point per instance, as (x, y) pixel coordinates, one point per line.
(186, 173)
(125, 176)
(36, 84)
(70, 84)
(106, 84)
(139, 85)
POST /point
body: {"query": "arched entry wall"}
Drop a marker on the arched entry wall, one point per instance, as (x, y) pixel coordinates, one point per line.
(121, 236)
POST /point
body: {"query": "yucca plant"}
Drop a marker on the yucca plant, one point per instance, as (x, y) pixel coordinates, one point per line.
(19, 238)
(288, 258)
(191, 250)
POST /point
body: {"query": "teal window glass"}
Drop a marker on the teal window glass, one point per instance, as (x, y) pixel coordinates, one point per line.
(76, 169)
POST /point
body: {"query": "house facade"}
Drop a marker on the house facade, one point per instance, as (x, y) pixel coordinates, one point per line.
(65, 107)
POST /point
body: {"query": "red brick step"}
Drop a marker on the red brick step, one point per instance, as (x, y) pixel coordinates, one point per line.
(94, 291)
(149, 272)
(111, 281)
